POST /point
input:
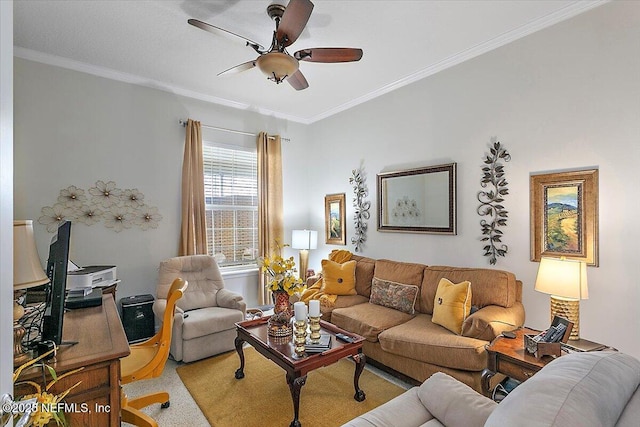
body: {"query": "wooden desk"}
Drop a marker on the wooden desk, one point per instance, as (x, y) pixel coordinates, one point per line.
(101, 344)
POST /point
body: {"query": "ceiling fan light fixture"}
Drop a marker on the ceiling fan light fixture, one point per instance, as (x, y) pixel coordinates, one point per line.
(277, 66)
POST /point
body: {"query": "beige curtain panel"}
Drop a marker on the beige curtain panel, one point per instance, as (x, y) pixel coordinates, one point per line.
(193, 234)
(270, 211)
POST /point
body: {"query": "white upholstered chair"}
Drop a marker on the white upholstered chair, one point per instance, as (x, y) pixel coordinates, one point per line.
(205, 318)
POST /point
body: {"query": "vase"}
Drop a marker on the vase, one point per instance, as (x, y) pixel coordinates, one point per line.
(279, 325)
(281, 302)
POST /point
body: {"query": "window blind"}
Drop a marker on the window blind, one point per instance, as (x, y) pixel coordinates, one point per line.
(231, 203)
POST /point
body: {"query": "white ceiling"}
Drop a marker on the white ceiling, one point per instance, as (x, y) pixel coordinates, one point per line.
(150, 43)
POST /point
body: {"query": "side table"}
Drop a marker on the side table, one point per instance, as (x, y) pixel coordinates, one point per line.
(507, 356)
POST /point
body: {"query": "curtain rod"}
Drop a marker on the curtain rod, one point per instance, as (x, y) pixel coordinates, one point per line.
(240, 132)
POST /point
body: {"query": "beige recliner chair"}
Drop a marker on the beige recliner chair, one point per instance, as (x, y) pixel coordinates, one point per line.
(205, 316)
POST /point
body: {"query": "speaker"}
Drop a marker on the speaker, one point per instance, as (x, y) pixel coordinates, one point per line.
(137, 317)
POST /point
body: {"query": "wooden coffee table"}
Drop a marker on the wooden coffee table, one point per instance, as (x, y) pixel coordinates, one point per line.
(281, 351)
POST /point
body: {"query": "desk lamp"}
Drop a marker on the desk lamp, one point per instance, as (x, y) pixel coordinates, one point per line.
(304, 240)
(27, 273)
(566, 281)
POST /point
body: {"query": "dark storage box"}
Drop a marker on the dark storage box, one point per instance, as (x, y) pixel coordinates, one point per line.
(137, 317)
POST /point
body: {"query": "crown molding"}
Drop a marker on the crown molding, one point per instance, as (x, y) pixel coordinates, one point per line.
(107, 73)
(563, 14)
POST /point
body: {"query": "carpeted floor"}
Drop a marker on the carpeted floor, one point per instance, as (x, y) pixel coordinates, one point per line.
(262, 397)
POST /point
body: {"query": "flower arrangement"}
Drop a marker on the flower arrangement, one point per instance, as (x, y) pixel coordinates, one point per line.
(38, 408)
(281, 273)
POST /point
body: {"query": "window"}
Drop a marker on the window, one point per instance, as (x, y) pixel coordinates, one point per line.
(231, 203)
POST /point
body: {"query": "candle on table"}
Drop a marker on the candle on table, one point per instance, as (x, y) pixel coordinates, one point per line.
(300, 310)
(314, 308)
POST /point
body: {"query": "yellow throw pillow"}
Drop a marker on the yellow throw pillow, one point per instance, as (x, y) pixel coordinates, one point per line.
(339, 279)
(452, 305)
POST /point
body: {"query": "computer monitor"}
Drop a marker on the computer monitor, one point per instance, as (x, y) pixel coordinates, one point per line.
(57, 273)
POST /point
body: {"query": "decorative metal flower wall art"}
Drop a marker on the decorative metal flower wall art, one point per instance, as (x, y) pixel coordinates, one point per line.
(118, 209)
(493, 174)
(52, 216)
(362, 206)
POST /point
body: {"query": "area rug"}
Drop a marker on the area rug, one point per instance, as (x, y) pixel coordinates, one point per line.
(262, 397)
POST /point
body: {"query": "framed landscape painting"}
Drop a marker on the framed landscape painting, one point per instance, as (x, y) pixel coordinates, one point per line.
(334, 216)
(564, 215)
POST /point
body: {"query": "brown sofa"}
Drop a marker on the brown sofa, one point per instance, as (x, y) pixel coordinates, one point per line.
(410, 343)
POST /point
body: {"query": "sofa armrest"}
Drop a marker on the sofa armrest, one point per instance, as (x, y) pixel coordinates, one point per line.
(490, 321)
(453, 403)
(228, 299)
(311, 280)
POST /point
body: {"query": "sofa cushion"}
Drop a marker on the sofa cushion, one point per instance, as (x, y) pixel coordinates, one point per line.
(386, 415)
(399, 272)
(394, 295)
(488, 286)
(364, 274)
(452, 305)
(421, 339)
(631, 413)
(341, 302)
(209, 320)
(203, 275)
(368, 320)
(453, 403)
(339, 279)
(580, 389)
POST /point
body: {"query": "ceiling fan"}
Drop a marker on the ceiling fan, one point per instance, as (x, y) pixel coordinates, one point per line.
(276, 62)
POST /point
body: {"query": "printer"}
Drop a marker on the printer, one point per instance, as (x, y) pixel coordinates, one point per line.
(91, 276)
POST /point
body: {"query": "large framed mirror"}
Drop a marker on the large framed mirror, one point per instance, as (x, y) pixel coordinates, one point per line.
(421, 200)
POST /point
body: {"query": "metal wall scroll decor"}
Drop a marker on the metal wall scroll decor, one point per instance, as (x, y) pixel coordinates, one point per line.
(361, 215)
(493, 175)
(118, 209)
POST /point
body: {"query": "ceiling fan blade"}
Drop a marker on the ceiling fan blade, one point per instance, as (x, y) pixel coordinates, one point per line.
(221, 32)
(329, 54)
(240, 68)
(294, 20)
(298, 81)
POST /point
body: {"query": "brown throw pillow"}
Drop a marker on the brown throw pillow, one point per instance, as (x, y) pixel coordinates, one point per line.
(394, 295)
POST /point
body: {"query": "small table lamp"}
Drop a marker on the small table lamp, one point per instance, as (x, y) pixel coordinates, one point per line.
(304, 240)
(27, 273)
(566, 281)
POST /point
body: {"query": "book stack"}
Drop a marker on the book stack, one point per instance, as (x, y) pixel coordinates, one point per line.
(322, 345)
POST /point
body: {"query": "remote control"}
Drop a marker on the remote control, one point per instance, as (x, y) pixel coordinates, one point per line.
(345, 338)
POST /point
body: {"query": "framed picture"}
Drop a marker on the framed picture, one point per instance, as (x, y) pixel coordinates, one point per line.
(419, 200)
(564, 215)
(334, 217)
